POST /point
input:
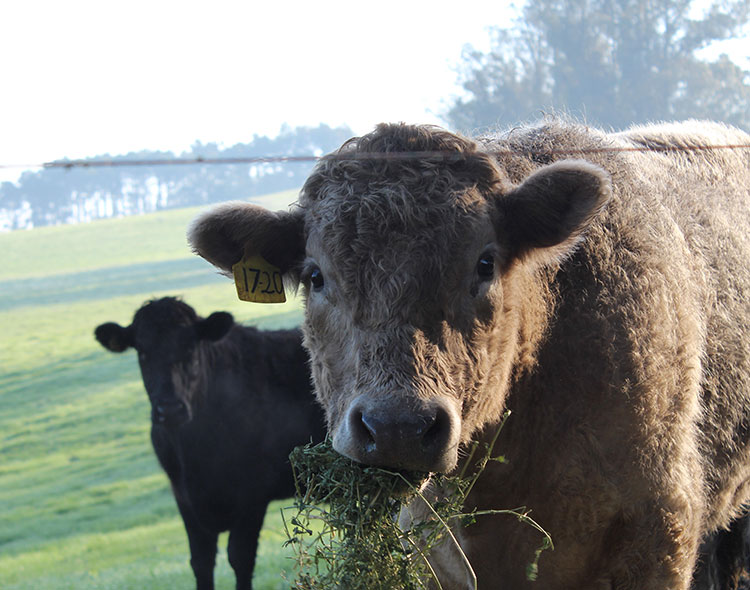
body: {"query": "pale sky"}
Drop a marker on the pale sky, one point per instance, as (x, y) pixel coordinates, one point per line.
(87, 77)
(83, 78)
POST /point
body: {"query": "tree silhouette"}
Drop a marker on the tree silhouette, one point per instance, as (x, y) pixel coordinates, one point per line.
(81, 193)
(611, 62)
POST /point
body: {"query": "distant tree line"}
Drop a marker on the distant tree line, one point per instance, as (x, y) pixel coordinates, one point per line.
(60, 195)
(611, 63)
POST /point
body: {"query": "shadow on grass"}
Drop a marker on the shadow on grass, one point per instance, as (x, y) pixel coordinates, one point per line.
(178, 274)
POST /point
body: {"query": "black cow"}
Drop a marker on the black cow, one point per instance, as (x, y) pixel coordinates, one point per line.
(724, 559)
(228, 404)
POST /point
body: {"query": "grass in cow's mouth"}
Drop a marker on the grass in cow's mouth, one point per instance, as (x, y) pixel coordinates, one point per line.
(345, 526)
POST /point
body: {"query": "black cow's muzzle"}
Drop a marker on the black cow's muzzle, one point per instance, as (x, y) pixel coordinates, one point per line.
(169, 412)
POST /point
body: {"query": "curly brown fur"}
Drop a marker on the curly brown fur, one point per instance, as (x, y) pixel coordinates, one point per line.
(614, 323)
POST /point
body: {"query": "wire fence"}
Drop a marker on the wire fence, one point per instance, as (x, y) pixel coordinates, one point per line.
(414, 155)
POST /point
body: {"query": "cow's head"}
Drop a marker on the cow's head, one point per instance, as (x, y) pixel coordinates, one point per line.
(410, 268)
(167, 334)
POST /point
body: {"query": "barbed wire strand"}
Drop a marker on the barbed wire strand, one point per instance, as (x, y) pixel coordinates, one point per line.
(415, 155)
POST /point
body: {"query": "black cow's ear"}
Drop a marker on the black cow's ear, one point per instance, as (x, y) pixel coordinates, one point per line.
(114, 337)
(545, 217)
(215, 326)
(227, 232)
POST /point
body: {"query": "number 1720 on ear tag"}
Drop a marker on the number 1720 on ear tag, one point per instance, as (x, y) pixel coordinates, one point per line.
(258, 281)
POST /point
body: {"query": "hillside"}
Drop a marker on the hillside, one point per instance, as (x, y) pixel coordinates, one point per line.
(83, 503)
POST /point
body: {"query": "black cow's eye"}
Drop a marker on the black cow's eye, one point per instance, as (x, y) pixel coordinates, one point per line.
(316, 279)
(486, 267)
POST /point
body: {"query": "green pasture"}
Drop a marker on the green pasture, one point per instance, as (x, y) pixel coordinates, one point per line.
(83, 502)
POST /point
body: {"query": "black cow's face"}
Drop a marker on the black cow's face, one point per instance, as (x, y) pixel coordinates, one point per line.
(166, 347)
(166, 334)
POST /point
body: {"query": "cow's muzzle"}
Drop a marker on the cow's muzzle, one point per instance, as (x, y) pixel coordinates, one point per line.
(421, 435)
(169, 412)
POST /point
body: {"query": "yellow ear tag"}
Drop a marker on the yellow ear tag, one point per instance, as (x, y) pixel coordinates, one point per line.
(258, 281)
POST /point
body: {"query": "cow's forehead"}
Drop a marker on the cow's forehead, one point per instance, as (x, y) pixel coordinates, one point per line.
(364, 219)
(162, 316)
(399, 248)
(393, 209)
(402, 178)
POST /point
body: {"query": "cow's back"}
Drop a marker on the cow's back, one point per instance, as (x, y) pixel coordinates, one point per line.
(642, 373)
(707, 193)
(258, 405)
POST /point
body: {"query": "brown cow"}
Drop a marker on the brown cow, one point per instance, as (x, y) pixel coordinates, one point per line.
(596, 284)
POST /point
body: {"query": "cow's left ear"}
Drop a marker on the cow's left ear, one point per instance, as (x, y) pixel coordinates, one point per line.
(226, 233)
(114, 337)
(545, 217)
(215, 326)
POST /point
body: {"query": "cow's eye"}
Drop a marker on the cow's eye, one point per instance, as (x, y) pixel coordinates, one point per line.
(486, 267)
(316, 279)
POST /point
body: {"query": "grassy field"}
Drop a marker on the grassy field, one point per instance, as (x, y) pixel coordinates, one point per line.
(83, 502)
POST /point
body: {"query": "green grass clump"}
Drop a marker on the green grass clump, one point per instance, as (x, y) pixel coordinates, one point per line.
(359, 522)
(346, 533)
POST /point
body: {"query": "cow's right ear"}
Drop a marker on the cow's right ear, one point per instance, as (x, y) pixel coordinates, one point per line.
(215, 326)
(546, 216)
(224, 234)
(114, 337)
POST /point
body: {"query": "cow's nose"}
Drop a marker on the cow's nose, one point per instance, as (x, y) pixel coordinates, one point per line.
(169, 411)
(421, 436)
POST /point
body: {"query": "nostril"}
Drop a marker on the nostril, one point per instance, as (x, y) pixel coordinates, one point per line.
(365, 430)
(425, 426)
(367, 423)
(436, 431)
(170, 410)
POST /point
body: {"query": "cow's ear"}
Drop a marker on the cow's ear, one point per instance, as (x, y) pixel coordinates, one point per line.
(225, 233)
(545, 217)
(114, 337)
(215, 326)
